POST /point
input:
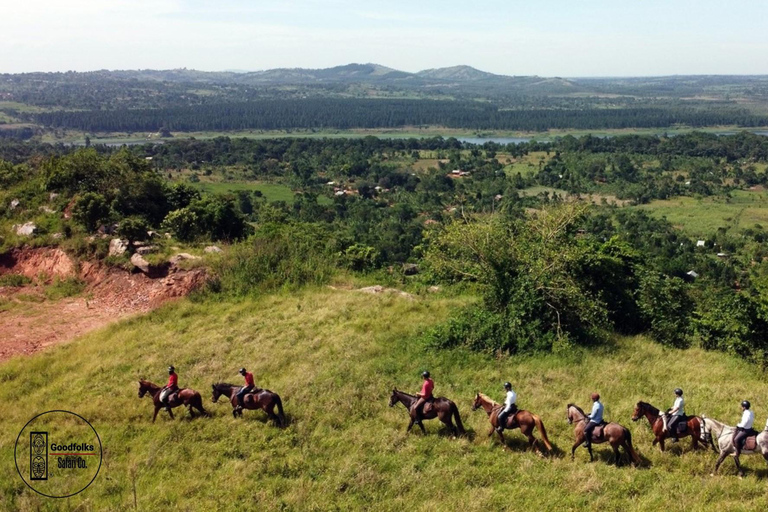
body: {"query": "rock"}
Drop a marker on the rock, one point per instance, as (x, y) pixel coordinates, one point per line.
(57, 236)
(212, 249)
(26, 229)
(47, 209)
(410, 269)
(52, 196)
(14, 204)
(182, 256)
(434, 289)
(117, 247)
(149, 249)
(139, 262)
(377, 289)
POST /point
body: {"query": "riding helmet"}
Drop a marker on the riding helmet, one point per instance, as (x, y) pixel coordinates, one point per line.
(507, 385)
(425, 375)
(595, 397)
(678, 392)
(745, 404)
(242, 371)
(171, 369)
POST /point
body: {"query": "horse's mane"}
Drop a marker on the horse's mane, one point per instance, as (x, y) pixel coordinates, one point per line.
(487, 398)
(577, 408)
(224, 384)
(718, 423)
(649, 406)
(148, 384)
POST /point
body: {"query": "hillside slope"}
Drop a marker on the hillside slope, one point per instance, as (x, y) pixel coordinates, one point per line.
(334, 355)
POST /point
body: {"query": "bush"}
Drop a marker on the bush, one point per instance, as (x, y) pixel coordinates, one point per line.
(134, 229)
(91, 210)
(666, 307)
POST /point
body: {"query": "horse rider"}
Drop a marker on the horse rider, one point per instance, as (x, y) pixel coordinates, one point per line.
(744, 427)
(170, 388)
(425, 395)
(595, 418)
(510, 407)
(678, 412)
(248, 388)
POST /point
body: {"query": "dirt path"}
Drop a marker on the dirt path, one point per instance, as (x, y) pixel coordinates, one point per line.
(30, 322)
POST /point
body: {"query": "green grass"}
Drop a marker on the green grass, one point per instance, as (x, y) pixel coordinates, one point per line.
(701, 217)
(333, 356)
(271, 191)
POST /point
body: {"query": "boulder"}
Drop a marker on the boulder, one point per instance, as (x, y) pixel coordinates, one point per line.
(140, 263)
(14, 204)
(182, 256)
(148, 249)
(117, 247)
(212, 249)
(26, 229)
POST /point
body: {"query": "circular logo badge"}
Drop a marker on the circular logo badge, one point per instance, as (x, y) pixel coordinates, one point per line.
(58, 454)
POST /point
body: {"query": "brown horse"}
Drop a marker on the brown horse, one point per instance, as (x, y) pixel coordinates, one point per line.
(263, 399)
(185, 396)
(613, 433)
(657, 425)
(524, 420)
(441, 408)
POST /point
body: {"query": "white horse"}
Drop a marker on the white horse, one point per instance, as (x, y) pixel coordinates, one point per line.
(720, 436)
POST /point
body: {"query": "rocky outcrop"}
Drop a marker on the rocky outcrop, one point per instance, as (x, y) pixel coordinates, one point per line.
(26, 229)
(117, 247)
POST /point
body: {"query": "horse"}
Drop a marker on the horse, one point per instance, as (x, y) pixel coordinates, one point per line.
(613, 433)
(185, 396)
(657, 425)
(263, 399)
(442, 408)
(522, 419)
(713, 429)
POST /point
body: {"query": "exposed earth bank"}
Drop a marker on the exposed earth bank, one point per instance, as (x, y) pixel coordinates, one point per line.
(29, 321)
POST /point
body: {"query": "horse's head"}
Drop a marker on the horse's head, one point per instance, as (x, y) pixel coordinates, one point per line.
(638, 412)
(216, 393)
(706, 431)
(142, 389)
(393, 398)
(477, 403)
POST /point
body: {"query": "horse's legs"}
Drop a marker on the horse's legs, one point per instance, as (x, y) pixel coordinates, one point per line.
(616, 454)
(493, 429)
(720, 460)
(578, 442)
(421, 425)
(738, 465)
(410, 425)
(661, 442)
(154, 416)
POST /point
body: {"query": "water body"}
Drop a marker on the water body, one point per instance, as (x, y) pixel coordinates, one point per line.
(518, 140)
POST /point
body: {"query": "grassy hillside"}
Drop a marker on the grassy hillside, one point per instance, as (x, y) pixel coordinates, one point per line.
(334, 355)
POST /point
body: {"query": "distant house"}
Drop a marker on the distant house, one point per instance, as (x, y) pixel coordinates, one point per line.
(701, 243)
(692, 273)
(723, 255)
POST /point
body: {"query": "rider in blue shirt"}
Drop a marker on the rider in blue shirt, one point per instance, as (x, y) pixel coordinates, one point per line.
(595, 418)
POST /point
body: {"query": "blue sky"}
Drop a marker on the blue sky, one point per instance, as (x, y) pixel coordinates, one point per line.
(547, 38)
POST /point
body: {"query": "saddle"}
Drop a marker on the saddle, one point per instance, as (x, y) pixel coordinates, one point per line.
(428, 406)
(597, 433)
(750, 443)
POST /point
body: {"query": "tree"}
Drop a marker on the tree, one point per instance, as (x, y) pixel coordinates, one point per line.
(91, 210)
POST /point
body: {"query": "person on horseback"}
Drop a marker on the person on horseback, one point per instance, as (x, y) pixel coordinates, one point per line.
(425, 395)
(248, 388)
(510, 407)
(744, 427)
(678, 412)
(595, 419)
(170, 388)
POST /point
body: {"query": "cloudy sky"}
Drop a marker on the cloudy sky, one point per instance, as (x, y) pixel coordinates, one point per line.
(544, 37)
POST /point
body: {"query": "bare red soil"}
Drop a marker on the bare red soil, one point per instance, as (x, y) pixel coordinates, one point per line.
(29, 322)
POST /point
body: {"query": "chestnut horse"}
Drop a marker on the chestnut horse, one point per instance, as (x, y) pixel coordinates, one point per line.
(263, 399)
(613, 433)
(657, 425)
(442, 408)
(522, 419)
(185, 396)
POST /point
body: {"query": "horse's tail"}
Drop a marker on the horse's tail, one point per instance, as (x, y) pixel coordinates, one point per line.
(280, 414)
(630, 448)
(542, 430)
(455, 412)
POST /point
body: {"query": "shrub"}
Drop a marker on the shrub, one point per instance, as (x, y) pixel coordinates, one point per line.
(90, 210)
(666, 307)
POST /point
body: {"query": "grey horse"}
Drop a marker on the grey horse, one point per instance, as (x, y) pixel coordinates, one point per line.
(720, 436)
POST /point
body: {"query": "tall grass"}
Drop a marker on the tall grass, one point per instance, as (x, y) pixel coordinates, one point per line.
(334, 356)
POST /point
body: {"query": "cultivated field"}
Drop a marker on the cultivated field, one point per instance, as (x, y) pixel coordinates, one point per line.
(334, 355)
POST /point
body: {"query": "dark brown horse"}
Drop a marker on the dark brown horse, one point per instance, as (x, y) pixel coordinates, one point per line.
(657, 425)
(524, 420)
(441, 408)
(613, 433)
(185, 396)
(263, 399)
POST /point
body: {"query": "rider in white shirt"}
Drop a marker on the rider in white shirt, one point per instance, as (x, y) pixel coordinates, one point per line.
(744, 428)
(510, 407)
(678, 412)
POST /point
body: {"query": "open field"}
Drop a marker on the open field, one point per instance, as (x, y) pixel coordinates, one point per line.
(702, 217)
(333, 355)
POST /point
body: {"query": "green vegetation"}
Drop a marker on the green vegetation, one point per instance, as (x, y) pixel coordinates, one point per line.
(333, 356)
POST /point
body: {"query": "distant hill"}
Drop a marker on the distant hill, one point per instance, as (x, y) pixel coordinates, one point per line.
(462, 73)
